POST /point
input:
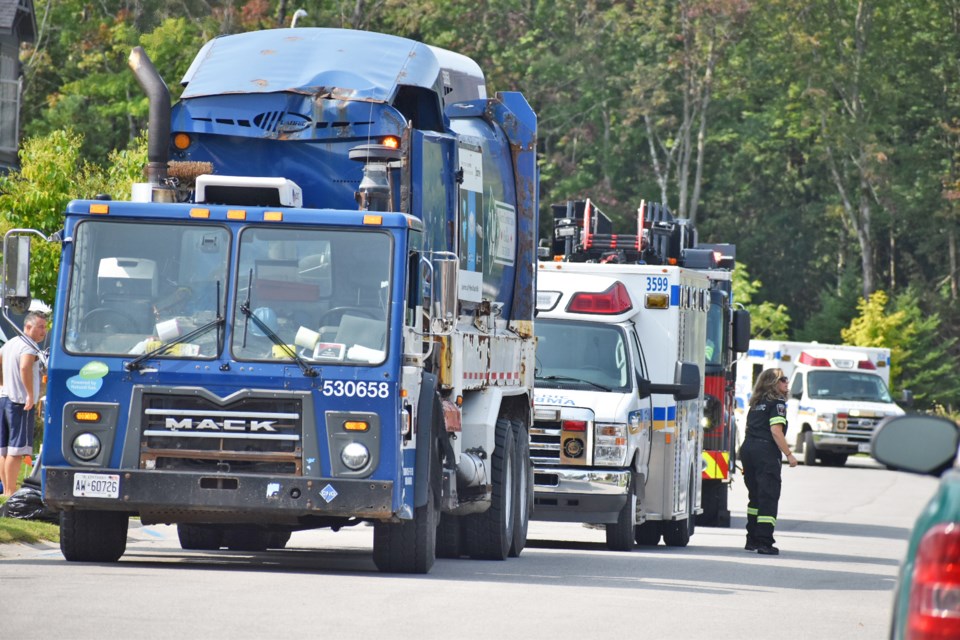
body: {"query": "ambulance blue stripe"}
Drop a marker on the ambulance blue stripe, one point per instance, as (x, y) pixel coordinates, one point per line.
(665, 413)
(674, 295)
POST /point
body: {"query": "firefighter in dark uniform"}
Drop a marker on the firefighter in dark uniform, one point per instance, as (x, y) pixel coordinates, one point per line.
(763, 444)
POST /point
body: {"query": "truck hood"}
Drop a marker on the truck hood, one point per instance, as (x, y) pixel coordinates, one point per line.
(866, 409)
(607, 407)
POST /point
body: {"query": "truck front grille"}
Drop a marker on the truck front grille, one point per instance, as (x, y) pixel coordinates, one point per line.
(249, 435)
(545, 443)
(861, 428)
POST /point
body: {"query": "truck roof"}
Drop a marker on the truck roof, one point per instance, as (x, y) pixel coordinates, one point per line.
(341, 63)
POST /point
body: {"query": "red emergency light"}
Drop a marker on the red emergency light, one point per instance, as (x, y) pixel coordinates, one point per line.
(866, 364)
(807, 359)
(613, 301)
(574, 425)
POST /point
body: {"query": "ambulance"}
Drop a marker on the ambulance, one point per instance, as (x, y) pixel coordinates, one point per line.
(618, 402)
(838, 394)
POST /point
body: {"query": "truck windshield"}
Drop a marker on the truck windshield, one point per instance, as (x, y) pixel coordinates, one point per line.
(581, 355)
(138, 285)
(847, 385)
(713, 349)
(321, 293)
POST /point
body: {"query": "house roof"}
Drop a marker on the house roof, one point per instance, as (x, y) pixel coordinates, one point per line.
(17, 18)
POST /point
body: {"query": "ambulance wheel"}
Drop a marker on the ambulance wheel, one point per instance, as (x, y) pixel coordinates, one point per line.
(199, 537)
(648, 533)
(489, 535)
(809, 449)
(93, 536)
(523, 499)
(246, 538)
(620, 533)
(448, 536)
(409, 546)
(834, 459)
(677, 533)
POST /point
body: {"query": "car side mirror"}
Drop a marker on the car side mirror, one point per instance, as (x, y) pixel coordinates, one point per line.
(916, 443)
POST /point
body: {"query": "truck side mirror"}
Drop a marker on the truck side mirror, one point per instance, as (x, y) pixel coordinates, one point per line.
(686, 383)
(16, 272)
(643, 387)
(906, 398)
(446, 295)
(741, 330)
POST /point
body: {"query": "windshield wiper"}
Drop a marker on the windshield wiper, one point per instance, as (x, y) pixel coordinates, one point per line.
(267, 331)
(137, 363)
(576, 380)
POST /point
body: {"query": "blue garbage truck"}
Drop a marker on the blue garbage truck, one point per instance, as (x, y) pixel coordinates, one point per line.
(316, 310)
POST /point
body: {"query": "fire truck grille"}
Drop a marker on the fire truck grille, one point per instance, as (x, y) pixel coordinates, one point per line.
(545, 443)
(250, 435)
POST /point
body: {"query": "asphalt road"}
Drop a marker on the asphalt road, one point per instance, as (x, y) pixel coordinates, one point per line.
(842, 533)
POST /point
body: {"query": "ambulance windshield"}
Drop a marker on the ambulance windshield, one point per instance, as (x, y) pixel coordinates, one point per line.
(847, 385)
(581, 355)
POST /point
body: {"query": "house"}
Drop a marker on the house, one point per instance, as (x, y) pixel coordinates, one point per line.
(18, 24)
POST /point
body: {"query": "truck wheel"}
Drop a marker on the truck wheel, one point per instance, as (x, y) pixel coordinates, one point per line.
(93, 536)
(834, 459)
(620, 533)
(489, 535)
(199, 537)
(409, 546)
(677, 532)
(714, 502)
(648, 533)
(246, 538)
(809, 449)
(448, 536)
(278, 539)
(523, 499)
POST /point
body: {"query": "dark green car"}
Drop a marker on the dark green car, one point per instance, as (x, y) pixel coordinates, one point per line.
(927, 602)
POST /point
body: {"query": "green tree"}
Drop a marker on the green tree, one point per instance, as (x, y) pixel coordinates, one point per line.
(767, 320)
(920, 358)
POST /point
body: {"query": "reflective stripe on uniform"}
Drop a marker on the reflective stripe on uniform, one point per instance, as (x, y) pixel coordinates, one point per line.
(751, 511)
(767, 520)
(777, 420)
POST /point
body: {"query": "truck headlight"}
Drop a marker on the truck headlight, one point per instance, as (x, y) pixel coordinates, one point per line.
(827, 421)
(86, 446)
(355, 456)
(610, 444)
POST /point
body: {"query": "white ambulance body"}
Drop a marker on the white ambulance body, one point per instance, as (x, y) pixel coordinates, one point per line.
(617, 429)
(838, 394)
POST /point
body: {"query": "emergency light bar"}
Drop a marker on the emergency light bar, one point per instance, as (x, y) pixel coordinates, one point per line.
(611, 302)
(812, 361)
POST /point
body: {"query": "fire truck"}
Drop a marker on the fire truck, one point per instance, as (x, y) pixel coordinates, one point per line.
(618, 428)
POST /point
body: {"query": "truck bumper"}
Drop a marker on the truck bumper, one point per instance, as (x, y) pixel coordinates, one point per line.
(579, 495)
(204, 497)
(840, 443)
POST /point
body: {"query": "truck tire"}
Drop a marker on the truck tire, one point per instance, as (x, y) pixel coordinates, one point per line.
(523, 498)
(714, 502)
(246, 538)
(620, 534)
(200, 537)
(489, 535)
(809, 449)
(648, 533)
(278, 539)
(833, 459)
(93, 536)
(449, 534)
(677, 532)
(409, 546)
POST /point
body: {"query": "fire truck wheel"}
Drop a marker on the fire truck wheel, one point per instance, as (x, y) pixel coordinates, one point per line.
(620, 534)
(409, 546)
(448, 536)
(523, 499)
(489, 535)
(809, 449)
(199, 537)
(246, 538)
(93, 536)
(648, 533)
(714, 502)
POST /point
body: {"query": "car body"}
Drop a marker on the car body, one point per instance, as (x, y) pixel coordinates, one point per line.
(927, 601)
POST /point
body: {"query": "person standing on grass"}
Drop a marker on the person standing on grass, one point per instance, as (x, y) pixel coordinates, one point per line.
(18, 398)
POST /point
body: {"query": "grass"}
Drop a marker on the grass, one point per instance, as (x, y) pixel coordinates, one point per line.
(26, 531)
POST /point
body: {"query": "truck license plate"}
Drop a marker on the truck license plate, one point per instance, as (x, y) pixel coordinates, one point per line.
(863, 447)
(94, 485)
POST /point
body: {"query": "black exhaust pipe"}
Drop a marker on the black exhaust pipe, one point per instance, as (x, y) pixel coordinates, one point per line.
(158, 127)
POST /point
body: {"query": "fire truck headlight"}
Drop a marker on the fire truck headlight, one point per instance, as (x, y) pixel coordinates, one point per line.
(86, 446)
(355, 456)
(610, 444)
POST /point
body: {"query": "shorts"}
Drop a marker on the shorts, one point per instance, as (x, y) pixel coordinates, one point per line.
(16, 429)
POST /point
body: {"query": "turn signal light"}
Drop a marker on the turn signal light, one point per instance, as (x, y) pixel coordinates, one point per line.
(355, 425)
(86, 416)
(934, 610)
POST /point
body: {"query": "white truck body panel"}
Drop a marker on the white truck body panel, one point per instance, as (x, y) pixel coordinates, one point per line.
(665, 437)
